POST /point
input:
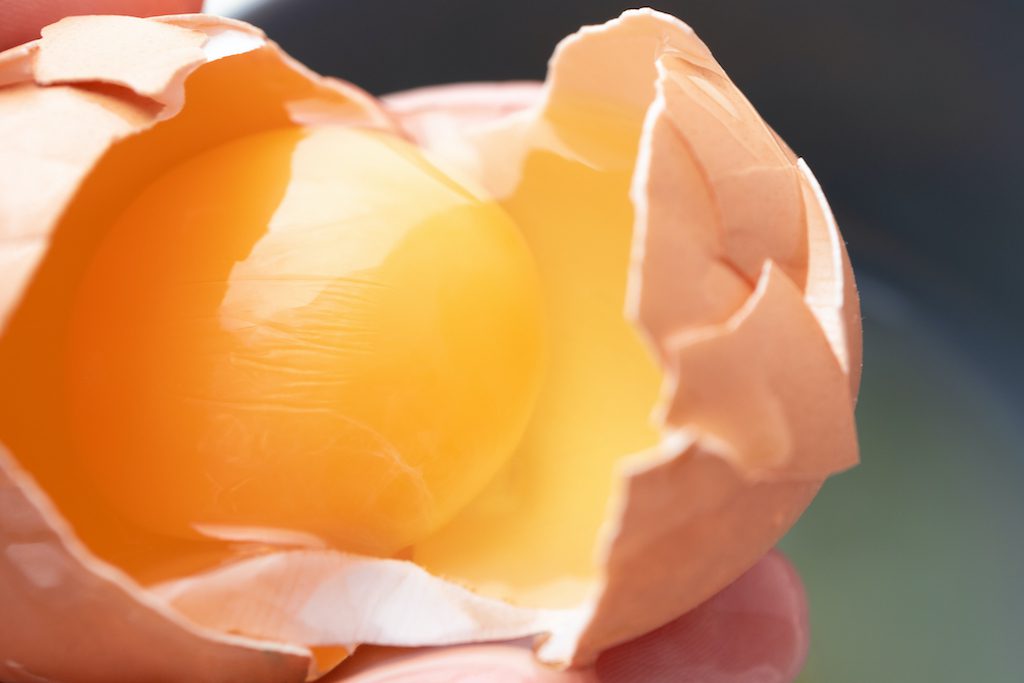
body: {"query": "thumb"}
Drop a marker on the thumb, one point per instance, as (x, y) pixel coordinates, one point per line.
(471, 664)
(754, 631)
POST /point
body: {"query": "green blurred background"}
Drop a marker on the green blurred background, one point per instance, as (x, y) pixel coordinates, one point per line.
(914, 561)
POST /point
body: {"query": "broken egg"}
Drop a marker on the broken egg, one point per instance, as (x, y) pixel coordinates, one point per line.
(289, 369)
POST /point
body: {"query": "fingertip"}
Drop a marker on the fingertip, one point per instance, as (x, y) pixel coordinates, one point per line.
(22, 19)
(150, 8)
(476, 664)
(755, 630)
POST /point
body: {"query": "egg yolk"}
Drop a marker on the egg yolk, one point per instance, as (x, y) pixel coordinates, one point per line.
(307, 332)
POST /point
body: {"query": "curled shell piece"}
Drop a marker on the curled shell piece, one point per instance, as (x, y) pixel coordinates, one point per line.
(90, 82)
(741, 283)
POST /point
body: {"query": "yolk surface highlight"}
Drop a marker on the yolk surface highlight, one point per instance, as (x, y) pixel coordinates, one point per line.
(307, 331)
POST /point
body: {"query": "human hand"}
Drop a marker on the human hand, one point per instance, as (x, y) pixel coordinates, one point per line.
(753, 631)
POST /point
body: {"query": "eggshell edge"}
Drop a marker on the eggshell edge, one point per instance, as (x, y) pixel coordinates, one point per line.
(65, 99)
(614, 616)
(640, 588)
(71, 617)
(650, 574)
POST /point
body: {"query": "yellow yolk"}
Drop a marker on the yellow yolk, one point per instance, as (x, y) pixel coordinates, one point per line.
(309, 333)
(531, 537)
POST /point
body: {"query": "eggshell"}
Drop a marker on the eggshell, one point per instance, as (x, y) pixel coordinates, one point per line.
(54, 135)
(742, 284)
(739, 282)
(69, 617)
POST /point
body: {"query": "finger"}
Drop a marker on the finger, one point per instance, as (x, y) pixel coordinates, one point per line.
(754, 631)
(20, 20)
(476, 664)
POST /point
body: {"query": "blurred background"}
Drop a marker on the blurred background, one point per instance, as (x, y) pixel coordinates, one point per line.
(910, 112)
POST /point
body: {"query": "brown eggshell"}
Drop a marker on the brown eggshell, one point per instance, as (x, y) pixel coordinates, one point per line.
(739, 282)
(55, 135)
(67, 615)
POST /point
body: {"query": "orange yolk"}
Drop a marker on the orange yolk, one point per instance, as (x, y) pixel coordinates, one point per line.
(308, 333)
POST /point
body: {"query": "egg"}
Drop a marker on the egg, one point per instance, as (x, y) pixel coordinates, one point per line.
(289, 369)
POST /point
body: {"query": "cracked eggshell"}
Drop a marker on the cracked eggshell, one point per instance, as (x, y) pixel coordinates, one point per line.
(66, 101)
(90, 82)
(70, 617)
(739, 282)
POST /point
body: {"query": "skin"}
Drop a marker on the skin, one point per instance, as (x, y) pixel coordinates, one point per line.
(755, 630)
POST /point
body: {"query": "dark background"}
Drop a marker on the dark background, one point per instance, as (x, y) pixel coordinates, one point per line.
(909, 111)
(910, 114)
